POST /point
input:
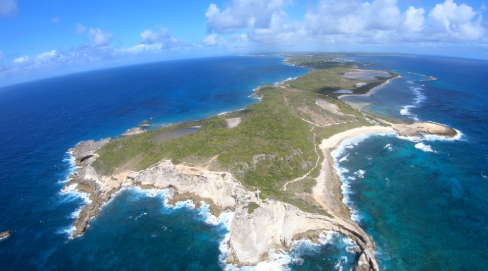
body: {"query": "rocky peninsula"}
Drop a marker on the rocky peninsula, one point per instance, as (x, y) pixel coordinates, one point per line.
(274, 225)
(285, 140)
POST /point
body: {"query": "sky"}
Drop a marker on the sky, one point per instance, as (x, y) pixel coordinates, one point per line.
(40, 38)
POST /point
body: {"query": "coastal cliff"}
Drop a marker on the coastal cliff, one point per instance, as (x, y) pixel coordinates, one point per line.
(275, 148)
(273, 225)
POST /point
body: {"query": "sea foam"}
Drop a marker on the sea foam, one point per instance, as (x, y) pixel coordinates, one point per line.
(287, 79)
(280, 259)
(423, 147)
(71, 193)
(72, 168)
(419, 98)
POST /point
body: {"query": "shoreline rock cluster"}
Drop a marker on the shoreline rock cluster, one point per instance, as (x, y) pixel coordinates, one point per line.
(5, 235)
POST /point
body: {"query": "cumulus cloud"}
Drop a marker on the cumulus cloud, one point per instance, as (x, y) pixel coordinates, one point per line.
(98, 37)
(162, 36)
(353, 17)
(450, 22)
(96, 50)
(8, 8)
(243, 13)
(21, 59)
(347, 21)
(144, 48)
(47, 56)
(57, 59)
(246, 23)
(210, 39)
(381, 21)
(80, 29)
(264, 20)
(229, 42)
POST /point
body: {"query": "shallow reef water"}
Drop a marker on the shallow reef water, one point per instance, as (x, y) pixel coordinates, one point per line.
(424, 202)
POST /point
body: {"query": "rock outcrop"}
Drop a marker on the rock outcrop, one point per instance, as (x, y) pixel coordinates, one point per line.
(86, 149)
(134, 131)
(5, 235)
(276, 224)
(144, 124)
(418, 129)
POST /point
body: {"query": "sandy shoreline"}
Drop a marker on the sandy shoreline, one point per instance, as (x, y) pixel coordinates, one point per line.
(328, 192)
(328, 189)
(336, 139)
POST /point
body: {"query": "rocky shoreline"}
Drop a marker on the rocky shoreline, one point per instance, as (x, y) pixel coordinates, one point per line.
(274, 225)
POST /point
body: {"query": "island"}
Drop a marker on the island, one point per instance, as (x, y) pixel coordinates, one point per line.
(270, 163)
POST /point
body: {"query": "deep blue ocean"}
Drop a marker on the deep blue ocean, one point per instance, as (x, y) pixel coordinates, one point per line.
(426, 210)
(425, 203)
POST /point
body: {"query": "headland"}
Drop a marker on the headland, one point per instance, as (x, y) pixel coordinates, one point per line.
(270, 164)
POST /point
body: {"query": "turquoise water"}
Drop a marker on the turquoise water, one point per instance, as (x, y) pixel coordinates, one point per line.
(425, 203)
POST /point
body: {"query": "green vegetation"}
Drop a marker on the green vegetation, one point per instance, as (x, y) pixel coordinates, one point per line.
(327, 81)
(327, 75)
(270, 147)
(315, 60)
(251, 207)
(324, 81)
(385, 118)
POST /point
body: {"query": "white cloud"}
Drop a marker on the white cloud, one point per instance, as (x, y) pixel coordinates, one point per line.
(163, 37)
(243, 13)
(55, 20)
(46, 56)
(353, 17)
(450, 22)
(414, 19)
(98, 37)
(80, 29)
(229, 42)
(96, 51)
(264, 24)
(21, 59)
(380, 21)
(346, 21)
(210, 39)
(144, 48)
(8, 7)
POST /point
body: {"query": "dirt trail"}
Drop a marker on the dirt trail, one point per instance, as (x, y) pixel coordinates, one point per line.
(316, 164)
